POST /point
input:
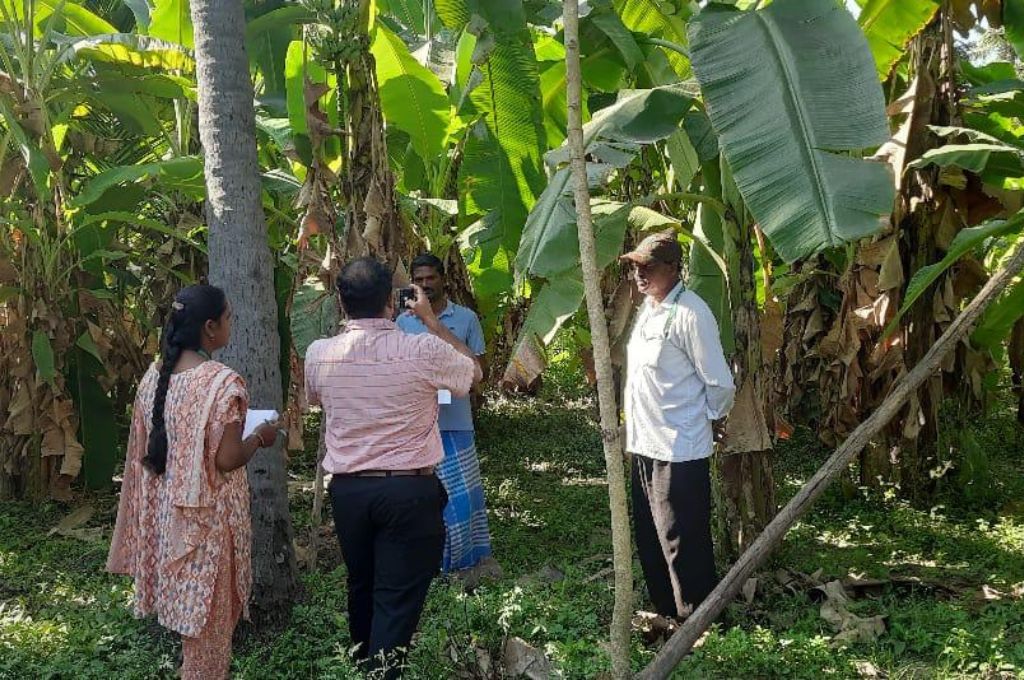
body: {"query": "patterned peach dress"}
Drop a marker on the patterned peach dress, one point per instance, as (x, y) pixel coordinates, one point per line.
(185, 536)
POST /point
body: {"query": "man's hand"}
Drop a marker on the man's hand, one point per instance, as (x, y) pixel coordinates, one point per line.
(718, 430)
(421, 307)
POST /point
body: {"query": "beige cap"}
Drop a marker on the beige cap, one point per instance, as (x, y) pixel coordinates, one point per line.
(660, 247)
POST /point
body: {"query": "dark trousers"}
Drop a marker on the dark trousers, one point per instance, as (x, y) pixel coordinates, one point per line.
(672, 520)
(392, 536)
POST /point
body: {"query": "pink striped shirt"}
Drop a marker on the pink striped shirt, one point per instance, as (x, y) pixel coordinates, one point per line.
(378, 389)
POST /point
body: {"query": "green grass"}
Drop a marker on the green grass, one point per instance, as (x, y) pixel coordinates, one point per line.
(61, 616)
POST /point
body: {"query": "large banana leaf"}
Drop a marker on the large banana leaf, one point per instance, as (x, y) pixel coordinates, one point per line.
(314, 315)
(788, 89)
(171, 20)
(411, 96)
(502, 170)
(71, 18)
(407, 12)
(612, 138)
(302, 77)
(890, 24)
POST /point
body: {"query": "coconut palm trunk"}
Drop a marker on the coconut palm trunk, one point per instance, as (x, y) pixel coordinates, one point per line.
(242, 264)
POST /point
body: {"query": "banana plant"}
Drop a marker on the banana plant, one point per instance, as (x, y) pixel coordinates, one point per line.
(86, 116)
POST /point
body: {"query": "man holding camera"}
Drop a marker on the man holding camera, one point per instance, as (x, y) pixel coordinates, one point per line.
(468, 539)
(378, 389)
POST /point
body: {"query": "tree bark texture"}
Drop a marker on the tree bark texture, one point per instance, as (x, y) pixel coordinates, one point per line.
(684, 638)
(241, 263)
(745, 462)
(374, 224)
(622, 553)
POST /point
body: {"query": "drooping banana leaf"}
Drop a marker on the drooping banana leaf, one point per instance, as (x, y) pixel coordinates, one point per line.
(612, 137)
(135, 50)
(303, 77)
(71, 18)
(790, 89)
(502, 169)
(890, 24)
(409, 13)
(964, 242)
(314, 315)
(986, 156)
(183, 173)
(97, 427)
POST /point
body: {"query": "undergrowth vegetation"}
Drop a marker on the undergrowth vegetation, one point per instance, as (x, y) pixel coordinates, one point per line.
(947, 578)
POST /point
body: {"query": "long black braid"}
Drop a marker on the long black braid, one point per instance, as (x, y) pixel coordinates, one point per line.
(192, 308)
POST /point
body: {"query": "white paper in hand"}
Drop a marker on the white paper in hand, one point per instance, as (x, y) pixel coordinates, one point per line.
(254, 419)
(444, 397)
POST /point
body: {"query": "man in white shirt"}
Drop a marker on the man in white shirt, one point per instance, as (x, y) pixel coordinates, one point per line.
(678, 385)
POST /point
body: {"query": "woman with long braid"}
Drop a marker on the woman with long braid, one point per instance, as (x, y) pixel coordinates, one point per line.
(183, 527)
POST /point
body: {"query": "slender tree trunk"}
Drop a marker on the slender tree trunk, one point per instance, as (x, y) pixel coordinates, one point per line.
(241, 263)
(621, 545)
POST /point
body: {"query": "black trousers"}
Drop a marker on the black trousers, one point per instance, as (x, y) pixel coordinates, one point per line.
(672, 520)
(392, 538)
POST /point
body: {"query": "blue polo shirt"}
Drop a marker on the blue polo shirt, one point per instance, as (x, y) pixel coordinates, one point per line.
(464, 325)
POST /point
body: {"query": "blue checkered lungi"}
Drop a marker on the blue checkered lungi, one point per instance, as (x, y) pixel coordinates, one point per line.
(467, 539)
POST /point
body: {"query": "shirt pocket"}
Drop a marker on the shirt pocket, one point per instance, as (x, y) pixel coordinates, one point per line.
(651, 347)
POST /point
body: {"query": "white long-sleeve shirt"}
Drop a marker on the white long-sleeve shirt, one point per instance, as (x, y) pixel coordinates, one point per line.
(677, 379)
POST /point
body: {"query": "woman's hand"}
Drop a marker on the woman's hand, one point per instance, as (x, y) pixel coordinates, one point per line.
(267, 433)
(235, 452)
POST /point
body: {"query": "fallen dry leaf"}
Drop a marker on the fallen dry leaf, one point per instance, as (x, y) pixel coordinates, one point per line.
(520, 659)
(77, 518)
(866, 669)
(849, 627)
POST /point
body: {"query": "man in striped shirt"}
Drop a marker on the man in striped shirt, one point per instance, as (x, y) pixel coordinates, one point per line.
(378, 389)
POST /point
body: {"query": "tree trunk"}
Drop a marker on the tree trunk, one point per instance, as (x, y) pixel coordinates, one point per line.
(241, 263)
(745, 485)
(374, 222)
(622, 553)
(745, 464)
(925, 202)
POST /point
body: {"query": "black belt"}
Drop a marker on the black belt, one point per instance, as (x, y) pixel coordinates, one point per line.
(418, 472)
